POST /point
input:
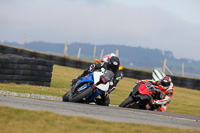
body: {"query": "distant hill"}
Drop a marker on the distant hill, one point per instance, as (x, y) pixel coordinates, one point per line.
(133, 57)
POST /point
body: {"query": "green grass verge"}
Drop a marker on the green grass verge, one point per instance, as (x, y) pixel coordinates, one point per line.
(26, 121)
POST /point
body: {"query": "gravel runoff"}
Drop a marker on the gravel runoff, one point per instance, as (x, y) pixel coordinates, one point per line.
(29, 95)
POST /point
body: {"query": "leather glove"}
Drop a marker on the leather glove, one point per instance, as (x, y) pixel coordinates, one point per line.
(91, 68)
(75, 80)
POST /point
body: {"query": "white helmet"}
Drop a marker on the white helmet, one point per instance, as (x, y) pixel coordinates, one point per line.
(112, 54)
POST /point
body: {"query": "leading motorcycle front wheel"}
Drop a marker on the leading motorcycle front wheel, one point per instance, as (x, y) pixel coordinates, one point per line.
(65, 97)
(79, 95)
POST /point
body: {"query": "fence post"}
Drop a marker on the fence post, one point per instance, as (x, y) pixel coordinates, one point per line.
(183, 70)
(117, 52)
(169, 70)
(164, 65)
(94, 53)
(101, 54)
(79, 52)
(24, 41)
(65, 49)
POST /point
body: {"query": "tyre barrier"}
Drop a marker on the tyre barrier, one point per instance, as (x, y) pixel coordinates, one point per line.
(58, 60)
(197, 85)
(25, 70)
(136, 74)
(9, 50)
(25, 53)
(176, 80)
(190, 83)
(143, 75)
(129, 73)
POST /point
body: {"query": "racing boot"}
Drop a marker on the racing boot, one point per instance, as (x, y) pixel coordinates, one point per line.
(105, 100)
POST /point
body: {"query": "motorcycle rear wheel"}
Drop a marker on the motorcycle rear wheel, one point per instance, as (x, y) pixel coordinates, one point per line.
(78, 97)
(126, 103)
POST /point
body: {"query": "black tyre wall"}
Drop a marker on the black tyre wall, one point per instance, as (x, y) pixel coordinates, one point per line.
(197, 85)
(176, 80)
(188, 83)
(25, 70)
(9, 50)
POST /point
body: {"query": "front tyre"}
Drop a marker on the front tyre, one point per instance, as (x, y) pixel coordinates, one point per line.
(126, 102)
(79, 96)
(65, 97)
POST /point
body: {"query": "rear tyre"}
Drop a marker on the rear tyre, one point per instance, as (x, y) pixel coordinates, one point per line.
(126, 102)
(80, 95)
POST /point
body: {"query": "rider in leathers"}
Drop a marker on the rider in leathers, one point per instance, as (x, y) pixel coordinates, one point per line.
(113, 65)
(167, 87)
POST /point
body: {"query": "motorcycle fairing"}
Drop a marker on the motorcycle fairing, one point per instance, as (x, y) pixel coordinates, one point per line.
(96, 76)
(135, 90)
(143, 89)
(84, 87)
(103, 87)
(92, 77)
(93, 80)
(86, 79)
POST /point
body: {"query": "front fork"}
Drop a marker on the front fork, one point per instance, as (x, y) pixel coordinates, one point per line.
(96, 92)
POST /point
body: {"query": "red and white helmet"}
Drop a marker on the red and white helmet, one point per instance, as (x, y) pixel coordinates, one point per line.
(165, 82)
(107, 57)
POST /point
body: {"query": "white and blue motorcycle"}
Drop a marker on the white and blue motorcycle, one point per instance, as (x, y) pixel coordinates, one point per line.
(89, 87)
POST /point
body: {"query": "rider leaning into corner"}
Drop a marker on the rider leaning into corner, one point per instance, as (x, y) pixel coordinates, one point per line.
(113, 65)
(106, 59)
(167, 87)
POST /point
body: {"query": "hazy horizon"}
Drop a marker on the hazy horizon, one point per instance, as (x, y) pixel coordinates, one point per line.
(172, 25)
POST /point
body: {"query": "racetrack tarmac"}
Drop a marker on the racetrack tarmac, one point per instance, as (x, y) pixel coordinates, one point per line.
(115, 114)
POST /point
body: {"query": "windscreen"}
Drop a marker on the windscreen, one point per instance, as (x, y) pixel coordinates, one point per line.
(108, 75)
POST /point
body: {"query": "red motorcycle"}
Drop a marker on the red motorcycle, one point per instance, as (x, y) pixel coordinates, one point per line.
(141, 97)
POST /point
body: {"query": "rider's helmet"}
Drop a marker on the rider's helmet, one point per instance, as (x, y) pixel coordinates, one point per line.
(107, 57)
(114, 63)
(165, 82)
(112, 54)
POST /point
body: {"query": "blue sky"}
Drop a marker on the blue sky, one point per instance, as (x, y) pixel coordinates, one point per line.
(172, 25)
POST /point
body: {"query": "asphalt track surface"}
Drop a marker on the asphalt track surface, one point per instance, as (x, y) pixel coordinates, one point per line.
(114, 114)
